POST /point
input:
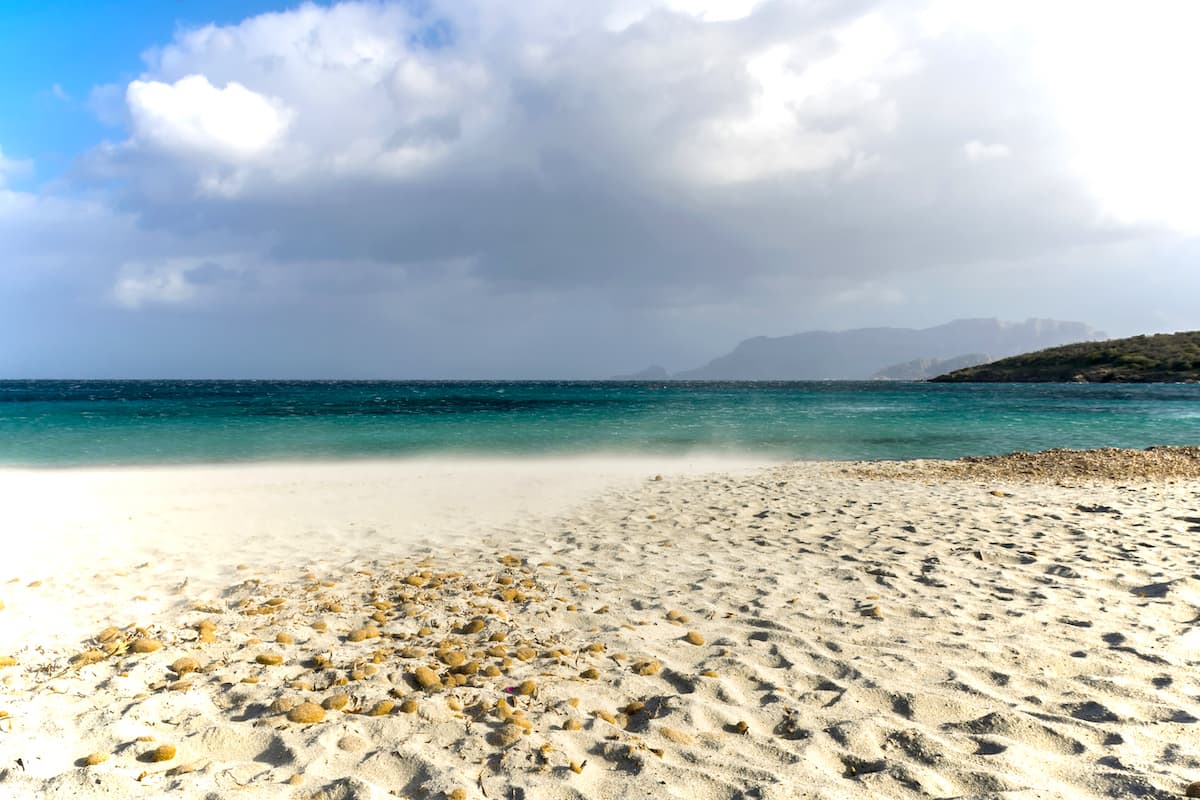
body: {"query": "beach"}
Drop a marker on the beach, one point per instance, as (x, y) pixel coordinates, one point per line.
(603, 628)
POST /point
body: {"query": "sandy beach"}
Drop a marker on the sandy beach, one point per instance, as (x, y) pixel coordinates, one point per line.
(603, 628)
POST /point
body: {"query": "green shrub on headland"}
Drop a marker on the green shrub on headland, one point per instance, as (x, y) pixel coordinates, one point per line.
(1161, 358)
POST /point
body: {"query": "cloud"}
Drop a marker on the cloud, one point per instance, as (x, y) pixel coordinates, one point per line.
(727, 167)
(710, 144)
(193, 118)
(12, 167)
(976, 150)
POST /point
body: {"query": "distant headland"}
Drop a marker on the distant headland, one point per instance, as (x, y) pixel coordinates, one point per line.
(1161, 358)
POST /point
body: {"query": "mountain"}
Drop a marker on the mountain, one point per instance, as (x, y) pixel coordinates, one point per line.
(860, 353)
(1162, 358)
(925, 368)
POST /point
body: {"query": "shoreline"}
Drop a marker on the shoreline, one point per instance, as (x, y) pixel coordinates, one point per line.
(702, 632)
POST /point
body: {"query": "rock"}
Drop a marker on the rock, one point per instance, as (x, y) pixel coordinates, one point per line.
(695, 638)
(427, 679)
(145, 645)
(1192, 790)
(183, 665)
(306, 714)
(164, 752)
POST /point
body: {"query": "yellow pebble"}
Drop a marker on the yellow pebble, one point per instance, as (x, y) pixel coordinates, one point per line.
(409, 706)
(184, 664)
(381, 709)
(145, 645)
(335, 702)
(164, 752)
(269, 659)
(306, 713)
(427, 679)
(96, 758)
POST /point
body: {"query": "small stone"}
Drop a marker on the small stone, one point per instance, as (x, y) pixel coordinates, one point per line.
(409, 706)
(591, 674)
(453, 658)
(676, 735)
(145, 645)
(335, 702)
(285, 638)
(526, 688)
(164, 752)
(269, 659)
(183, 665)
(742, 727)
(352, 744)
(364, 633)
(572, 725)
(457, 794)
(576, 767)
(306, 713)
(427, 679)
(1193, 789)
(95, 758)
(7, 661)
(506, 735)
(381, 709)
(694, 638)
(649, 666)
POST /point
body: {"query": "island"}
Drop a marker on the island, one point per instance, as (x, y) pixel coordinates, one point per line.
(1160, 358)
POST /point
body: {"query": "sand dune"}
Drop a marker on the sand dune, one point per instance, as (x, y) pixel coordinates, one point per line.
(794, 631)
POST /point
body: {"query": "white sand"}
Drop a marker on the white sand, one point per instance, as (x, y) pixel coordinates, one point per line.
(904, 637)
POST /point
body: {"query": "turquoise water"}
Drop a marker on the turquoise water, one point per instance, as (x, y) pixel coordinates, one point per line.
(63, 423)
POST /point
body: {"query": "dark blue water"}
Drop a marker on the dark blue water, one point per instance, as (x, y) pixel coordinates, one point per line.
(63, 423)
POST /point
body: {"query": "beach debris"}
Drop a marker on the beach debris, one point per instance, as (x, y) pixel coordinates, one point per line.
(694, 637)
(94, 759)
(145, 644)
(269, 659)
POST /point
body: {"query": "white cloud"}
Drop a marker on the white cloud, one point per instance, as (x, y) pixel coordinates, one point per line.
(768, 159)
(192, 117)
(10, 166)
(976, 150)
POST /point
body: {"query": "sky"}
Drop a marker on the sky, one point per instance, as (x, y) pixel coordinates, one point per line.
(557, 189)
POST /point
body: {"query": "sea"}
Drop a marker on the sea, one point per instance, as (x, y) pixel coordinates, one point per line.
(94, 423)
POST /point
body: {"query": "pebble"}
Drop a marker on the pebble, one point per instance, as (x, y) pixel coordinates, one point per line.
(95, 758)
(145, 645)
(335, 702)
(306, 713)
(695, 638)
(427, 679)
(164, 752)
(183, 665)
